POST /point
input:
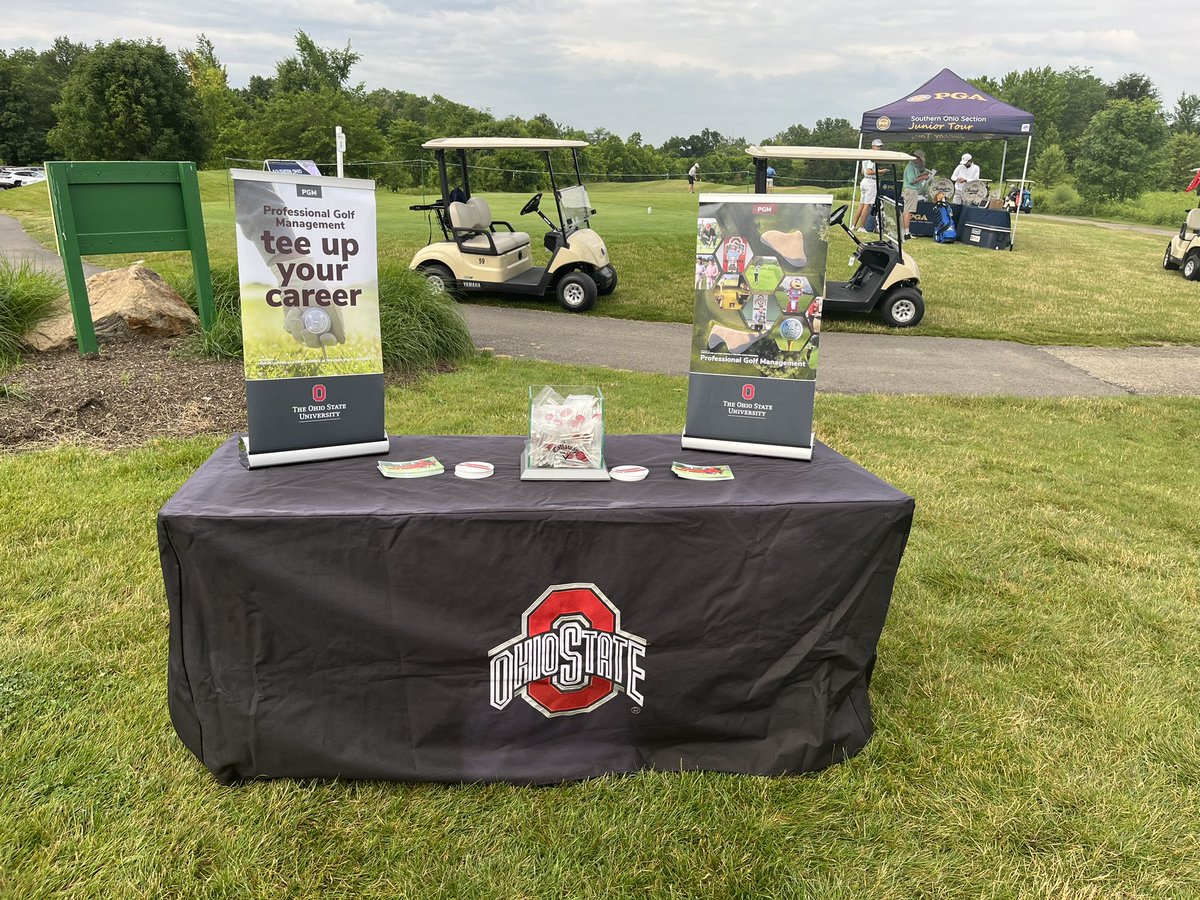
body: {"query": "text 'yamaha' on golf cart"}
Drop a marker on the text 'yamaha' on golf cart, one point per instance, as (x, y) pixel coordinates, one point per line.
(476, 257)
(887, 281)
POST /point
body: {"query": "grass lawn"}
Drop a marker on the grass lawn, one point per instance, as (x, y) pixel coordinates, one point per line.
(1035, 694)
(1065, 284)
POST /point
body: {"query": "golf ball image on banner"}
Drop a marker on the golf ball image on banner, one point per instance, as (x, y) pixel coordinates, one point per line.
(791, 329)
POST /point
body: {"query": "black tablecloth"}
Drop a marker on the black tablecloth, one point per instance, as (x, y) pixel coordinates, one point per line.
(328, 622)
(925, 217)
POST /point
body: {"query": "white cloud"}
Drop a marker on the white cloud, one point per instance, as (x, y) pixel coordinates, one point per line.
(661, 68)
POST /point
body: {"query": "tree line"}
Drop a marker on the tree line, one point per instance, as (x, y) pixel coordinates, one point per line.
(133, 99)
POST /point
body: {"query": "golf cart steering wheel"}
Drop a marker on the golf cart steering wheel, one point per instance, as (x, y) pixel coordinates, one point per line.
(838, 215)
(531, 205)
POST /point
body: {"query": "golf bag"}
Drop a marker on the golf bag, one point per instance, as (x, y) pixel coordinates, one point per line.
(944, 231)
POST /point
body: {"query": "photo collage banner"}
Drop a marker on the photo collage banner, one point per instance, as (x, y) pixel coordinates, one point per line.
(759, 286)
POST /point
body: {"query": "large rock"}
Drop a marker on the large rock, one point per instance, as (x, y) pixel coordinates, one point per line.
(125, 302)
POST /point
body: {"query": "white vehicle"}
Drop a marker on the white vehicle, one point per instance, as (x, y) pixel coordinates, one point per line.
(20, 177)
(475, 257)
(887, 282)
(1183, 252)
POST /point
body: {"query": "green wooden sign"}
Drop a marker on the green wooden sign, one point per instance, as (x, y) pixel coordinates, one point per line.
(125, 207)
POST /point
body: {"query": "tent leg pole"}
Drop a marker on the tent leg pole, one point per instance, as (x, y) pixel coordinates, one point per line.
(1003, 162)
(1012, 241)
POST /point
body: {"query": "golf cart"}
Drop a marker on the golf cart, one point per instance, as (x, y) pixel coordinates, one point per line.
(887, 280)
(1019, 196)
(1184, 250)
(476, 257)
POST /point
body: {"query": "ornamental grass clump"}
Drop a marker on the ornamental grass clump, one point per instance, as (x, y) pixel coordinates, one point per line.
(224, 339)
(421, 328)
(27, 295)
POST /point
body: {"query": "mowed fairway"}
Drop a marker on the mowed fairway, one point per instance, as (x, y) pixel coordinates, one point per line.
(1034, 696)
(1064, 284)
(1035, 693)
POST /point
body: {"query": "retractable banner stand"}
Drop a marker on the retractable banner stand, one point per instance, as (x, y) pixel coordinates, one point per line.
(760, 283)
(307, 266)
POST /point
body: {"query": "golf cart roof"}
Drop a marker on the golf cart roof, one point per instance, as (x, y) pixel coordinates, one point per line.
(501, 143)
(849, 153)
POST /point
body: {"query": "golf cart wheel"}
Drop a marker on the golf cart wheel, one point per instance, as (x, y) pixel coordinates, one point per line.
(576, 291)
(903, 307)
(608, 288)
(1191, 267)
(1168, 263)
(440, 278)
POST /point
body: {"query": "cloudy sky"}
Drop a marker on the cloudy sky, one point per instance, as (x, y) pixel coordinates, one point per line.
(660, 68)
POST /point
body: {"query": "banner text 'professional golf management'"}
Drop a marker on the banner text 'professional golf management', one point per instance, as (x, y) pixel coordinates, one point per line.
(759, 286)
(307, 266)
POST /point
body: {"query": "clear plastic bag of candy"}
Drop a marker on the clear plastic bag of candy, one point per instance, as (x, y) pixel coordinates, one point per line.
(566, 427)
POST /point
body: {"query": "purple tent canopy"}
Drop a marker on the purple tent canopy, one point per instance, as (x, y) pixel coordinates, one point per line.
(947, 108)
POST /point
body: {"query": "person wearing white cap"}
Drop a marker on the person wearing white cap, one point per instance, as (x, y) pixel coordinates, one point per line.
(868, 189)
(966, 171)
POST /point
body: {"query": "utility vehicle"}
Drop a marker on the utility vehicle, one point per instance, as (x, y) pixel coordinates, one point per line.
(1183, 252)
(887, 281)
(479, 254)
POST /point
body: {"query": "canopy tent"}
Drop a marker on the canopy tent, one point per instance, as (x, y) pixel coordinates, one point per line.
(947, 108)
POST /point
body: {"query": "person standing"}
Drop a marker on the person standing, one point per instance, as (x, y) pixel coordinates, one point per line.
(868, 189)
(916, 182)
(770, 178)
(693, 177)
(965, 172)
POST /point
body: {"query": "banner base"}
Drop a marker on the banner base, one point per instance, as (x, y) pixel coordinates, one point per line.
(309, 454)
(747, 448)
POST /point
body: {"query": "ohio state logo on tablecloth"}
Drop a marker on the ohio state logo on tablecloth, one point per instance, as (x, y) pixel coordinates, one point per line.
(571, 656)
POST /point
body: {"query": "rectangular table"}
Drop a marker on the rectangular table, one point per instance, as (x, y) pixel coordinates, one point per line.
(925, 217)
(327, 622)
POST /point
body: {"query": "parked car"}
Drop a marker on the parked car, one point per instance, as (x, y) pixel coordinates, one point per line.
(19, 177)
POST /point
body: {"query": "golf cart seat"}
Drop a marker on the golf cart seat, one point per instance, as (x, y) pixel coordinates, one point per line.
(1192, 223)
(474, 229)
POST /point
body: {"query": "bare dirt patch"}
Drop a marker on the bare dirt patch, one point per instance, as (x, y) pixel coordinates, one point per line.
(133, 392)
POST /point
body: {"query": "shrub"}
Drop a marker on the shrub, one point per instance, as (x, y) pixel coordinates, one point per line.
(1062, 200)
(419, 327)
(224, 341)
(1051, 167)
(27, 295)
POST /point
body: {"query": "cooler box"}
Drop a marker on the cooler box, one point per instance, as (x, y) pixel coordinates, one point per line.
(989, 228)
(988, 236)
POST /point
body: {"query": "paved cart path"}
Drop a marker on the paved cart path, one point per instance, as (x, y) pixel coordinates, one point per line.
(1113, 226)
(856, 363)
(850, 363)
(17, 246)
